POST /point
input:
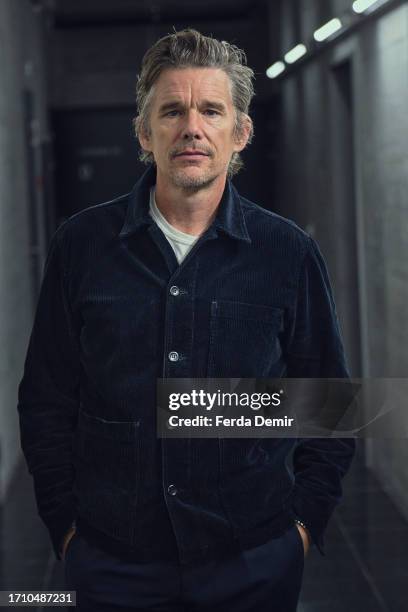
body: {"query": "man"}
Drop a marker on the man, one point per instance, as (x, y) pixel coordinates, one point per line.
(180, 278)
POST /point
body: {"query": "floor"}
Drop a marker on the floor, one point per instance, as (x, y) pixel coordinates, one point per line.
(365, 567)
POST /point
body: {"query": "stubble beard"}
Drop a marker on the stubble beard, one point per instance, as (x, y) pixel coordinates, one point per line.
(182, 179)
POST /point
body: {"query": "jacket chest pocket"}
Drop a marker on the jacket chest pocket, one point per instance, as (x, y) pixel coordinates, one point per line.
(244, 340)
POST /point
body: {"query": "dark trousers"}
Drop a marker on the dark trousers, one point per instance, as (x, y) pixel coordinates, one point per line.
(266, 578)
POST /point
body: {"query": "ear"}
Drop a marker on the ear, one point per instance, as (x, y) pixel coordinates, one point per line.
(245, 133)
(142, 135)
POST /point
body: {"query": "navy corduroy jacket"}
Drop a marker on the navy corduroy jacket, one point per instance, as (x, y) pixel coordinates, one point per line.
(253, 299)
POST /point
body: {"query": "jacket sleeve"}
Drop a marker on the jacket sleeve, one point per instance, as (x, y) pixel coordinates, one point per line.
(48, 399)
(315, 350)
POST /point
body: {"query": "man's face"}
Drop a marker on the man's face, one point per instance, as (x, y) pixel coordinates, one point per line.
(192, 121)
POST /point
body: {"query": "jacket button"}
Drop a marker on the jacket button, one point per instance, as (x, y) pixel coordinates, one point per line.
(174, 290)
(172, 489)
(173, 356)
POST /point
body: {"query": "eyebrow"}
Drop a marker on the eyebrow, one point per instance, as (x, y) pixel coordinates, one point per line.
(178, 104)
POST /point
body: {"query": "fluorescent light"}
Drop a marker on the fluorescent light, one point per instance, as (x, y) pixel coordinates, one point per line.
(275, 70)
(361, 6)
(296, 53)
(327, 29)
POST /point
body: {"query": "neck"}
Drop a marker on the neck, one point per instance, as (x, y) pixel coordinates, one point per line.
(189, 211)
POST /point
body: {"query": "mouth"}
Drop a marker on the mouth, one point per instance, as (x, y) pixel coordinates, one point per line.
(191, 154)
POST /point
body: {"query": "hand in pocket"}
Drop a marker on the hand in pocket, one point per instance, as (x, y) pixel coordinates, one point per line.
(67, 539)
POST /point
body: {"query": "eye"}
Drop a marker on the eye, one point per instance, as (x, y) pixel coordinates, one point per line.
(211, 112)
(173, 113)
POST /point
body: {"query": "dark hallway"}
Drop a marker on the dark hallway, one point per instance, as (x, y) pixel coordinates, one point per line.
(329, 154)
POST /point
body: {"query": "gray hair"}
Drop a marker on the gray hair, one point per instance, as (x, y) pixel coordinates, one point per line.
(189, 48)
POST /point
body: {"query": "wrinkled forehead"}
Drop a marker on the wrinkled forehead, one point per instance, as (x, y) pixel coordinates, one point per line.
(192, 85)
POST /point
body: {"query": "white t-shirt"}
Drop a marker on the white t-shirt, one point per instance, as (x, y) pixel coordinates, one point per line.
(181, 242)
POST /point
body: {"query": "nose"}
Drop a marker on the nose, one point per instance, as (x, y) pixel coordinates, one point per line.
(192, 125)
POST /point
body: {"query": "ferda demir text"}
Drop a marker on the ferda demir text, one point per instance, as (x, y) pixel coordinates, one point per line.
(221, 421)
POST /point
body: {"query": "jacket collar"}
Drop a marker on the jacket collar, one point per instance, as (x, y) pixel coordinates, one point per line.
(230, 216)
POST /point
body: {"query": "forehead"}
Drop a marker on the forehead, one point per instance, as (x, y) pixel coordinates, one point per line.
(208, 83)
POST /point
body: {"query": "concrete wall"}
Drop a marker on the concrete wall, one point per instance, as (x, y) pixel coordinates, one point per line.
(383, 180)
(21, 70)
(313, 172)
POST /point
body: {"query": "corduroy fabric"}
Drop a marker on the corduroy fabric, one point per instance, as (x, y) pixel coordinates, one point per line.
(254, 301)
